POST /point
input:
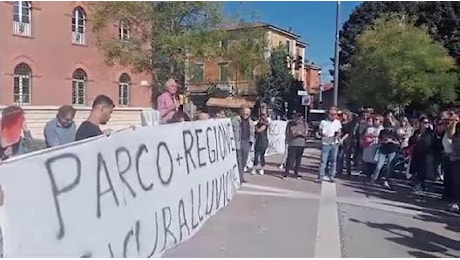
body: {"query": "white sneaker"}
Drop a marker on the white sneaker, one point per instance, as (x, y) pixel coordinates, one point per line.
(261, 171)
(245, 168)
(387, 185)
(281, 167)
(253, 171)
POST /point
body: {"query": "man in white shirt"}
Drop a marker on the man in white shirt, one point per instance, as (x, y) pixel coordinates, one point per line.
(330, 131)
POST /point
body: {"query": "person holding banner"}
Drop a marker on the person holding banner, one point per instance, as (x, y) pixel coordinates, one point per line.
(203, 115)
(261, 144)
(15, 137)
(100, 114)
(179, 116)
(61, 129)
(243, 129)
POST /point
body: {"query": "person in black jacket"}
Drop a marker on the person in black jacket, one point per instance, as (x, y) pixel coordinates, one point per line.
(423, 154)
(438, 149)
(346, 143)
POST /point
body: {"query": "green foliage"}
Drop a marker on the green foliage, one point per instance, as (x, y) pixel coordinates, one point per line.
(245, 50)
(396, 63)
(442, 19)
(164, 36)
(277, 83)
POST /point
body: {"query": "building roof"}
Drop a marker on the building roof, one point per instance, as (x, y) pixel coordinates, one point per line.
(229, 102)
(264, 25)
(328, 86)
(301, 43)
(312, 66)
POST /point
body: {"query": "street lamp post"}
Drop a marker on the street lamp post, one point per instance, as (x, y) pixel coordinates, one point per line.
(320, 88)
(336, 58)
(272, 102)
(286, 110)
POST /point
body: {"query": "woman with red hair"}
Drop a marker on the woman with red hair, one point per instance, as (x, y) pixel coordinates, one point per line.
(15, 138)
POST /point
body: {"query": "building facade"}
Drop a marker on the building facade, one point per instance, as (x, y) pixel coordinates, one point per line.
(217, 73)
(49, 57)
(312, 79)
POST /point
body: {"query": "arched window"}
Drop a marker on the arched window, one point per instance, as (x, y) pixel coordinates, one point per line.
(78, 26)
(22, 84)
(22, 14)
(79, 80)
(123, 31)
(123, 89)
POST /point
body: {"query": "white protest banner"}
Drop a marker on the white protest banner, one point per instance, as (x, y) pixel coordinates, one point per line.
(136, 193)
(276, 137)
(150, 117)
(276, 140)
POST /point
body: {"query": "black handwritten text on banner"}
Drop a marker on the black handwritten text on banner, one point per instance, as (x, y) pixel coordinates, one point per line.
(133, 194)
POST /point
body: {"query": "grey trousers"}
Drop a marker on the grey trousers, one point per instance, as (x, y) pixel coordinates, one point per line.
(242, 155)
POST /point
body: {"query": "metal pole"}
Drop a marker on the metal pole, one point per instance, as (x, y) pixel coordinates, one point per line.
(286, 110)
(305, 98)
(336, 58)
(320, 105)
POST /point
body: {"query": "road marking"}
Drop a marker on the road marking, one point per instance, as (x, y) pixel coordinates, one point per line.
(281, 195)
(269, 188)
(328, 232)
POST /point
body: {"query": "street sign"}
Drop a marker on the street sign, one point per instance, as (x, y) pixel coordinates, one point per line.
(302, 93)
(306, 101)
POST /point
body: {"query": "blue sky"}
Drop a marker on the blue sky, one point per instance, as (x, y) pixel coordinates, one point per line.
(314, 21)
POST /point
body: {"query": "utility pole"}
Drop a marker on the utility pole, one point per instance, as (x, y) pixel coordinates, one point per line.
(336, 57)
(320, 105)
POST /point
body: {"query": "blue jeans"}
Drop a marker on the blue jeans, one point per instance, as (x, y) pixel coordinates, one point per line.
(381, 160)
(328, 154)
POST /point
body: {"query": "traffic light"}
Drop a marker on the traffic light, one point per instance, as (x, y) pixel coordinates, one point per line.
(298, 62)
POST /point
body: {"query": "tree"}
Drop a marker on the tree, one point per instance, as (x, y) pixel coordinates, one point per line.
(163, 36)
(274, 87)
(246, 51)
(396, 63)
(441, 18)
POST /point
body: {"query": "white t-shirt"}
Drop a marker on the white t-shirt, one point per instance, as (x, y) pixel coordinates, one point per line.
(447, 144)
(370, 150)
(328, 129)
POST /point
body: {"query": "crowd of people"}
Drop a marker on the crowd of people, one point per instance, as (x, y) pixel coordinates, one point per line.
(376, 145)
(379, 146)
(370, 144)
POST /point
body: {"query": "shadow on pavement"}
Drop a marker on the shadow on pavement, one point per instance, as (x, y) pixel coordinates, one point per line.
(303, 172)
(429, 205)
(425, 242)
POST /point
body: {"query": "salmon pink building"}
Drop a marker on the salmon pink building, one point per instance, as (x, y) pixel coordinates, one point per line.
(48, 57)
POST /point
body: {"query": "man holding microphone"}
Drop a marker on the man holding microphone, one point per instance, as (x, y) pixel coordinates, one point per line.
(167, 102)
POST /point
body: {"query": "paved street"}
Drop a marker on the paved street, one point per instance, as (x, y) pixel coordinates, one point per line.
(271, 217)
